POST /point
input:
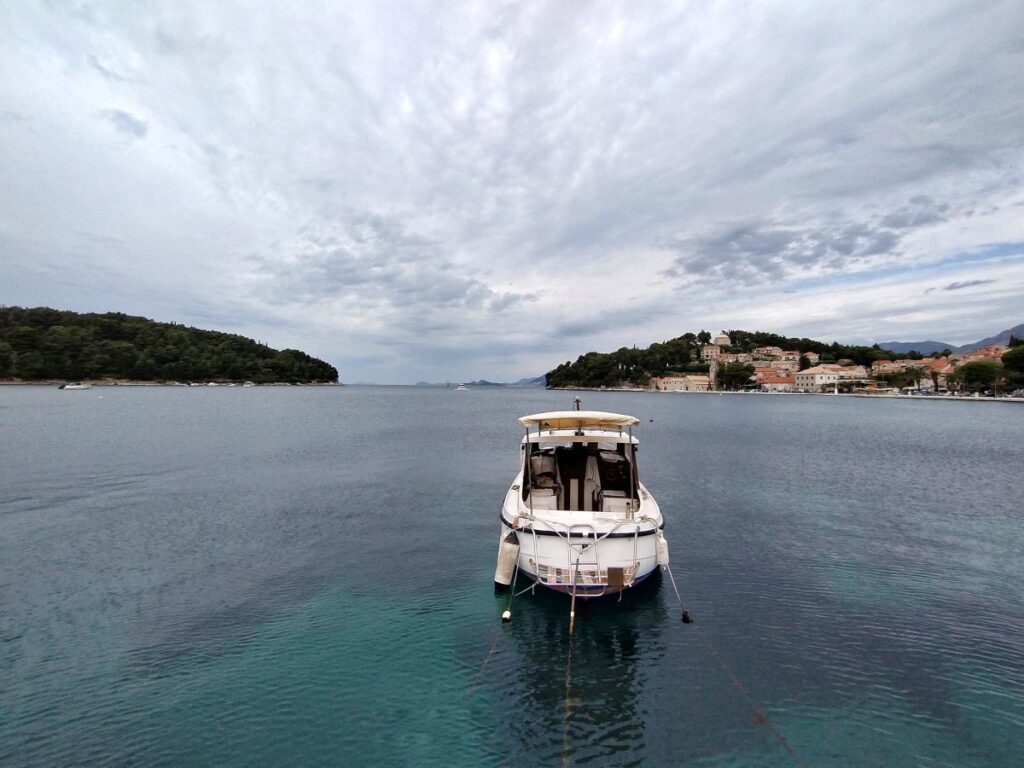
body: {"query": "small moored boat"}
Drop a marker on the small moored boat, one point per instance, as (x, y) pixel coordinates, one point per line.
(75, 385)
(576, 518)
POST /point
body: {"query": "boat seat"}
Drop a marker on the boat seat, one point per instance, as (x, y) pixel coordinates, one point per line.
(543, 498)
(544, 471)
(615, 502)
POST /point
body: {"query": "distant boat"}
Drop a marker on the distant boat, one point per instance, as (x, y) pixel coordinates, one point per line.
(577, 519)
(461, 387)
(75, 385)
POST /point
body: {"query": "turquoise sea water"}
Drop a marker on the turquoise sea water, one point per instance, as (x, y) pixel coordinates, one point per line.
(235, 576)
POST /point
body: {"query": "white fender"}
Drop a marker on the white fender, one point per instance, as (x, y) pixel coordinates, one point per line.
(508, 556)
(662, 549)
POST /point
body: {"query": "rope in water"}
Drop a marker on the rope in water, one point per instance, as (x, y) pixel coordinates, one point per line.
(480, 672)
(759, 715)
(497, 636)
(566, 750)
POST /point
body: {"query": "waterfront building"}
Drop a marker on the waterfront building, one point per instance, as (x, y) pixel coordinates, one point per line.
(814, 378)
(696, 383)
(849, 372)
(688, 383)
(667, 383)
(778, 383)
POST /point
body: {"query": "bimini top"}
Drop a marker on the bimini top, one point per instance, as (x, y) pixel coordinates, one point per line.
(578, 420)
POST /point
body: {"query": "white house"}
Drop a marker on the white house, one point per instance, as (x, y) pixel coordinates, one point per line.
(696, 383)
(813, 379)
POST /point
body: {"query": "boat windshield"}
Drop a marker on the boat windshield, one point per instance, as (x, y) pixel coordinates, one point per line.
(577, 475)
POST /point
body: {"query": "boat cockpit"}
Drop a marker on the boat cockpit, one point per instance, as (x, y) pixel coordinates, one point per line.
(587, 473)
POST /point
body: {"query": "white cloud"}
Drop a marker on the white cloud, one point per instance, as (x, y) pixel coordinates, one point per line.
(486, 190)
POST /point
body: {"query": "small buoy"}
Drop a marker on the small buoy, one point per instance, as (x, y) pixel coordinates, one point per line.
(506, 617)
(686, 618)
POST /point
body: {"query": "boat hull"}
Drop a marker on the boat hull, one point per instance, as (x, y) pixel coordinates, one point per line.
(574, 563)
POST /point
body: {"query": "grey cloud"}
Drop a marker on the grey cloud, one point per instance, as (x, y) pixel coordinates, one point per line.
(504, 147)
(770, 250)
(966, 284)
(921, 212)
(107, 71)
(368, 257)
(126, 122)
(101, 239)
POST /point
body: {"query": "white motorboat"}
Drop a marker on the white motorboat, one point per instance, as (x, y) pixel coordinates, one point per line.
(460, 388)
(75, 385)
(577, 519)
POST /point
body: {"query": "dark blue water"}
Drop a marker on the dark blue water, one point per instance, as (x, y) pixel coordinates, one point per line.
(303, 576)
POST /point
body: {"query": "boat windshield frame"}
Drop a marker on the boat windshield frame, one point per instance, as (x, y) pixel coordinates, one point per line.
(561, 436)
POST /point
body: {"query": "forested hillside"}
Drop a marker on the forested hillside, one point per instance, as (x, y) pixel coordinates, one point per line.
(682, 354)
(45, 343)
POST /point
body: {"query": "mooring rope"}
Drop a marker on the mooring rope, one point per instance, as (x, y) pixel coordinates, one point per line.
(759, 714)
(566, 751)
(497, 636)
(480, 672)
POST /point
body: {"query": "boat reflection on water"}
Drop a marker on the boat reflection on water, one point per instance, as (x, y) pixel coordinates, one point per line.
(579, 697)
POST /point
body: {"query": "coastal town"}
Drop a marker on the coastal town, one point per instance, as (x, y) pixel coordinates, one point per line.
(785, 370)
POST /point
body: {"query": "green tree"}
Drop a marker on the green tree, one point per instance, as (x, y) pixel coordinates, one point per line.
(734, 375)
(1013, 363)
(6, 360)
(979, 375)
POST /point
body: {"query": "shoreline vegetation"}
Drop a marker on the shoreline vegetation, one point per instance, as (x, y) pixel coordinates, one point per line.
(138, 383)
(742, 361)
(43, 345)
(763, 393)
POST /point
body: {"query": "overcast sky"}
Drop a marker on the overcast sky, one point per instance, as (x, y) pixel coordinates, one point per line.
(445, 191)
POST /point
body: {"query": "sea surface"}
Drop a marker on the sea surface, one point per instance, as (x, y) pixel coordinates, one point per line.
(303, 576)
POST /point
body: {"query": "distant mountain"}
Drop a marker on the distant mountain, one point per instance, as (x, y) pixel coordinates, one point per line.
(536, 381)
(931, 347)
(924, 347)
(1000, 338)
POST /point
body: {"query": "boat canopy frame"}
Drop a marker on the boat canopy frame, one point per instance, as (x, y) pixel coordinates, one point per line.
(578, 420)
(558, 424)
